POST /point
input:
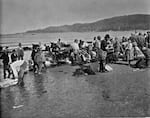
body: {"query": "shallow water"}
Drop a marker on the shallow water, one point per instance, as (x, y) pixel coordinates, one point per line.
(28, 39)
(57, 94)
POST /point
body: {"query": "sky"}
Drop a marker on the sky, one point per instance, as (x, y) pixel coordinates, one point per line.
(22, 15)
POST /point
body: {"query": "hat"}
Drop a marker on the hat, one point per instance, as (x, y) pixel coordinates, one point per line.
(107, 36)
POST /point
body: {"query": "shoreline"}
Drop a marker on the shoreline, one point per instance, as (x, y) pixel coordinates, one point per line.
(28, 38)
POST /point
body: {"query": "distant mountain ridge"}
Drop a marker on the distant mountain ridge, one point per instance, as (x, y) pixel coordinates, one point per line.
(119, 23)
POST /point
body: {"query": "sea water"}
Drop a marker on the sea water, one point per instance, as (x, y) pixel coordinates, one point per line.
(27, 39)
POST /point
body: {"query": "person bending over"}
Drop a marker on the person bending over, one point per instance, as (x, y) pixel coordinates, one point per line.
(18, 67)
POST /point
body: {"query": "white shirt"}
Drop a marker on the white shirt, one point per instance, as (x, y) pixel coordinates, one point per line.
(75, 47)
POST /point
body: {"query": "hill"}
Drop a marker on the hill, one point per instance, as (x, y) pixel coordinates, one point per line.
(120, 23)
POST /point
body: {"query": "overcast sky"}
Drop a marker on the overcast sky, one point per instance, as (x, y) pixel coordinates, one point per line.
(23, 15)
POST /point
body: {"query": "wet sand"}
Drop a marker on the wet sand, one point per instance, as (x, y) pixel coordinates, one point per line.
(57, 94)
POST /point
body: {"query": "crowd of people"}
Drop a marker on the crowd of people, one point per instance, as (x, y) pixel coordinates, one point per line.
(15, 65)
(109, 50)
(104, 50)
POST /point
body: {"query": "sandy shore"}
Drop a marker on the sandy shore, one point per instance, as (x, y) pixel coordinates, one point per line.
(57, 94)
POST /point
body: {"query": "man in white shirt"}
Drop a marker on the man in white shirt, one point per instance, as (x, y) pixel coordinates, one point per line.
(98, 42)
(19, 67)
(75, 47)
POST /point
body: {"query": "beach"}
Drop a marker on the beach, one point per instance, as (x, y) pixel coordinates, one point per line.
(56, 93)
(75, 59)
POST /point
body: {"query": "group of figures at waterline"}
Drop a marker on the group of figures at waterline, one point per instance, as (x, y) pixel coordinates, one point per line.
(103, 50)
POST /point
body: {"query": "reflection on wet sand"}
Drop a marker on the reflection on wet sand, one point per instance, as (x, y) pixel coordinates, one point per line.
(57, 94)
(38, 84)
(13, 97)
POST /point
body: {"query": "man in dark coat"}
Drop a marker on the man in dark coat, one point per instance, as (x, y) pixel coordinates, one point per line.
(34, 51)
(104, 42)
(146, 52)
(5, 59)
(140, 41)
(20, 52)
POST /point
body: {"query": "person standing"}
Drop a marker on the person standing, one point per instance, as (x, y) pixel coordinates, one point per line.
(104, 42)
(147, 40)
(98, 42)
(139, 56)
(80, 44)
(129, 52)
(59, 43)
(75, 47)
(43, 59)
(20, 52)
(146, 52)
(5, 58)
(110, 51)
(34, 51)
(101, 57)
(93, 44)
(140, 41)
(116, 46)
(104, 45)
(39, 60)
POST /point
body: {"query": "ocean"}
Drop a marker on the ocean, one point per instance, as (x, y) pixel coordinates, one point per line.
(27, 39)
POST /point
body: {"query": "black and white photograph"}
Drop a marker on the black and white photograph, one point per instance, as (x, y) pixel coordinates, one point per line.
(74, 58)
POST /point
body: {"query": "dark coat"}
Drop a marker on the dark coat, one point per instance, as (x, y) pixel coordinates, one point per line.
(33, 54)
(13, 57)
(5, 58)
(104, 45)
